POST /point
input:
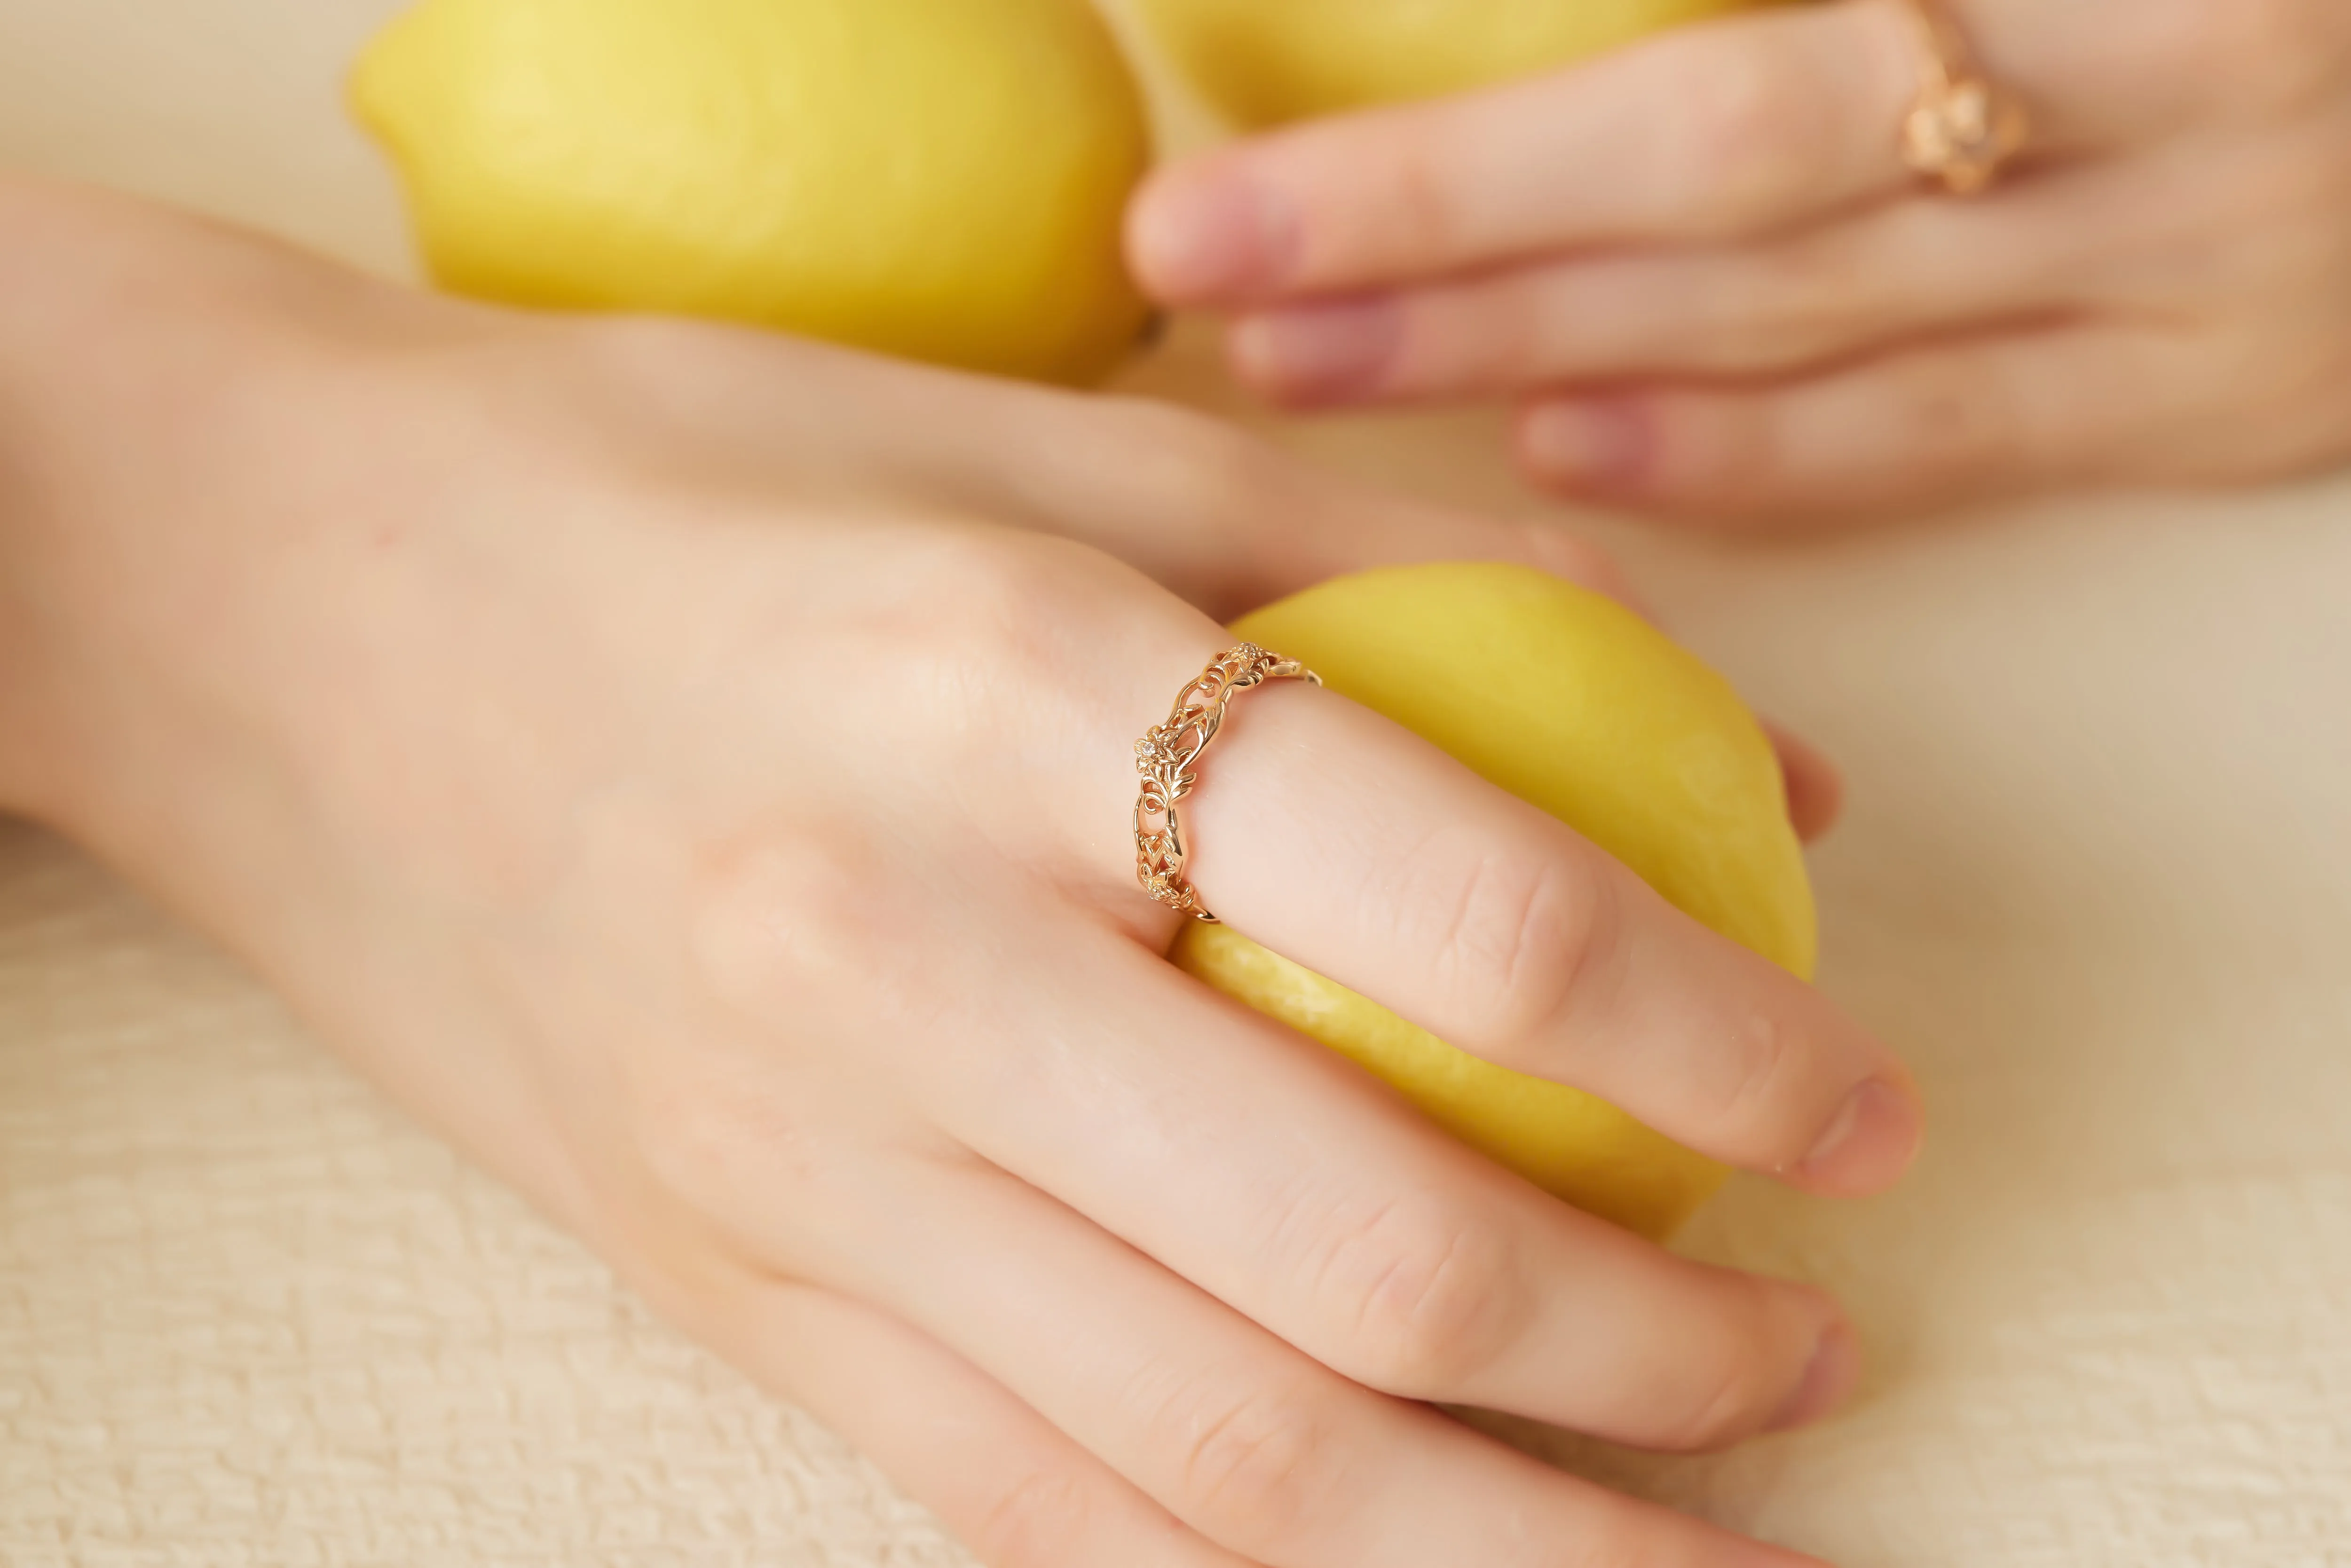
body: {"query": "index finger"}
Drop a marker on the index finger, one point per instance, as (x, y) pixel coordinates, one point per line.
(1714, 132)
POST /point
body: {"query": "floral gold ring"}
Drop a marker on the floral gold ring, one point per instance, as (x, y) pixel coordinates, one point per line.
(1164, 757)
(1963, 128)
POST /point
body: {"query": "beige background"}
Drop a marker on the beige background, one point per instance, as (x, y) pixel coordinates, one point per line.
(2096, 879)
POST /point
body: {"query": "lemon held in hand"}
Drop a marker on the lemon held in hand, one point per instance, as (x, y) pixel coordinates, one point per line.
(1571, 701)
(941, 179)
(1266, 62)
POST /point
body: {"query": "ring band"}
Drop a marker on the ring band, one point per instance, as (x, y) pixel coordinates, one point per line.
(1164, 757)
(1963, 128)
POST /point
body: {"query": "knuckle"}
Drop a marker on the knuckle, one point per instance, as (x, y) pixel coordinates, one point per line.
(1221, 474)
(1418, 210)
(789, 916)
(1253, 1463)
(1523, 941)
(1732, 1386)
(2283, 48)
(698, 1144)
(1430, 1294)
(1722, 1407)
(1036, 1522)
(1763, 1055)
(979, 592)
(977, 616)
(730, 1149)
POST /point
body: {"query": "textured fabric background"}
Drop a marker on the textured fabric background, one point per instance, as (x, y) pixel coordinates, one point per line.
(2097, 880)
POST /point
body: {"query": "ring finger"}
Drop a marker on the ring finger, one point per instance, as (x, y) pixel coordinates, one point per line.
(1016, 1490)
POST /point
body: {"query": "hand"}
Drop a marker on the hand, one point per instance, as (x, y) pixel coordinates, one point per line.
(692, 770)
(1703, 272)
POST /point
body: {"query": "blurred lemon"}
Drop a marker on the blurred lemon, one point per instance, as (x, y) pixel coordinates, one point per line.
(1568, 700)
(1266, 62)
(941, 179)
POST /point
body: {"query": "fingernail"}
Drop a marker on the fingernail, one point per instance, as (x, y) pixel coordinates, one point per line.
(1598, 445)
(1871, 1140)
(1319, 353)
(1206, 237)
(1828, 1379)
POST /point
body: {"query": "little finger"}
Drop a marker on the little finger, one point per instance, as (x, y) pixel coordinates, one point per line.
(1017, 1491)
(1252, 1444)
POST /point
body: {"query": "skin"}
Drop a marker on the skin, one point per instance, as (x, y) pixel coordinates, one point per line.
(1702, 272)
(691, 772)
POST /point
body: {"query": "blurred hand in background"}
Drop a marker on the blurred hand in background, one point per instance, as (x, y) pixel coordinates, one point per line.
(1703, 272)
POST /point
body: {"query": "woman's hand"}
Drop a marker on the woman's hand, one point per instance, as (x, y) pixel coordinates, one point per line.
(692, 770)
(1704, 273)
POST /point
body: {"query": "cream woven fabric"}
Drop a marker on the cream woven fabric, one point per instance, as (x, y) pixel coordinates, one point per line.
(2097, 880)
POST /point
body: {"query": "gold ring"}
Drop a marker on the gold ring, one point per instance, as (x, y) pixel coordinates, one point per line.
(1964, 127)
(1164, 757)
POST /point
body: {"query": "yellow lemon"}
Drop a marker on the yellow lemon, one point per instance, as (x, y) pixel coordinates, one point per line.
(941, 179)
(1266, 62)
(1568, 700)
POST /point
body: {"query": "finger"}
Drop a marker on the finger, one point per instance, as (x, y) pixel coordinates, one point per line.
(1227, 520)
(1229, 524)
(1212, 512)
(1276, 1176)
(1018, 1492)
(1494, 925)
(1815, 787)
(1925, 427)
(1915, 268)
(1292, 1185)
(1248, 1442)
(1726, 129)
